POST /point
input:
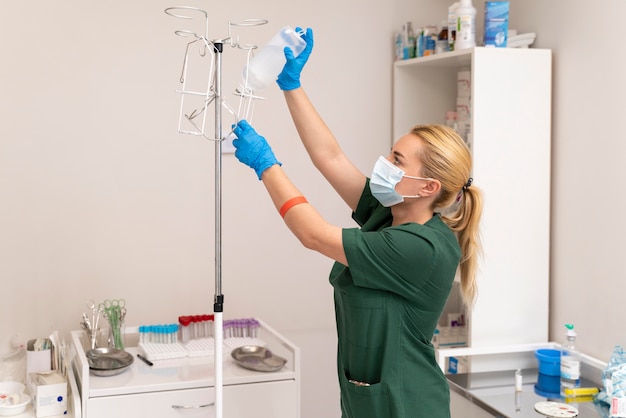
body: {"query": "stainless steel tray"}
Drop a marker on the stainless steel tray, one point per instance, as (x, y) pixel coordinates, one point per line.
(108, 361)
(257, 358)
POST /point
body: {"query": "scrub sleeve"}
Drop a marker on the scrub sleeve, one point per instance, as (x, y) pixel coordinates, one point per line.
(387, 304)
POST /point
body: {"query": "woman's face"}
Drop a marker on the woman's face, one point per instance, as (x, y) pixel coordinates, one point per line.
(404, 154)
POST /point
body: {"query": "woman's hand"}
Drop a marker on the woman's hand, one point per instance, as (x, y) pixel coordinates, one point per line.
(289, 78)
(252, 149)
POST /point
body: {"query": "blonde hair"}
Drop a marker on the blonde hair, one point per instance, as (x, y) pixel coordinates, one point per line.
(447, 158)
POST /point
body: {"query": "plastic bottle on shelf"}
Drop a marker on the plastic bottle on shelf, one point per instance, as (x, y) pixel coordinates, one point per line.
(419, 43)
(264, 67)
(429, 39)
(399, 46)
(412, 41)
(465, 26)
(408, 41)
(442, 39)
(570, 361)
(452, 25)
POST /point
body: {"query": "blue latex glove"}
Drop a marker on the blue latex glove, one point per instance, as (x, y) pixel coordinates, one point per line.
(289, 78)
(252, 149)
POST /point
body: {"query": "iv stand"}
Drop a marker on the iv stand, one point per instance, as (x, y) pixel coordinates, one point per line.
(245, 94)
(218, 303)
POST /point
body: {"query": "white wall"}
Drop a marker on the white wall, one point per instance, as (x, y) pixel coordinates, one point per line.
(587, 285)
(102, 198)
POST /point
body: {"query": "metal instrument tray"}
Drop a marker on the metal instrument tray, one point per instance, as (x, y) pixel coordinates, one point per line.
(257, 358)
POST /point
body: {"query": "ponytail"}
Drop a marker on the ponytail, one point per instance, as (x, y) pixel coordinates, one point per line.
(447, 158)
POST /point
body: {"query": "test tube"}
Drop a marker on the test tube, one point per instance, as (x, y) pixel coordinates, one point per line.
(207, 326)
(255, 328)
(518, 380)
(184, 330)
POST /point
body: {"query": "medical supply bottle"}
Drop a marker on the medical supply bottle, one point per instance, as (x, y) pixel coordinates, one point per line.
(452, 25)
(442, 39)
(465, 26)
(399, 46)
(570, 361)
(264, 67)
(408, 40)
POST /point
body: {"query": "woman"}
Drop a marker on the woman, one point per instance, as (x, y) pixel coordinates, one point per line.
(392, 275)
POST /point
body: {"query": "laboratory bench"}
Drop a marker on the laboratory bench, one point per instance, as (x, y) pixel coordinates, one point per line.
(492, 392)
(185, 386)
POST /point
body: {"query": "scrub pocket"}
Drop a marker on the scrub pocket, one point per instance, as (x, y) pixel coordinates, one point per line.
(364, 401)
(365, 335)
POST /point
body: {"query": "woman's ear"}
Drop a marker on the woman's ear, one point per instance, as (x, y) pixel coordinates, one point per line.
(431, 188)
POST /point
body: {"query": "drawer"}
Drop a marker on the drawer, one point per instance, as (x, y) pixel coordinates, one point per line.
(200, 403)
(269, 399)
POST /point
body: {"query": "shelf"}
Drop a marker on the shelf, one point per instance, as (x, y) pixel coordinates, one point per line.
(446, 59)
(464, 58)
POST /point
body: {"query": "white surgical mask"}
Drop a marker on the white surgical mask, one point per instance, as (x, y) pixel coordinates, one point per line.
(385, 177)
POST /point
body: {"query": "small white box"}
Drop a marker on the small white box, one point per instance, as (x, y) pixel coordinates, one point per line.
(49, 392)
(38, 360)
(464, 83)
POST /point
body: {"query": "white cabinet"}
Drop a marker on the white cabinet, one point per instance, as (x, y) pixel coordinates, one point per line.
(460, 407)
(185, 387)
(510, 140)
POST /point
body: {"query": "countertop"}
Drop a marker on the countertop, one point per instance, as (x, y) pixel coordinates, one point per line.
(495, 393)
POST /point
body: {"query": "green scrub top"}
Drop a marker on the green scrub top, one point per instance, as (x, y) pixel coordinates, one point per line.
(387, 304)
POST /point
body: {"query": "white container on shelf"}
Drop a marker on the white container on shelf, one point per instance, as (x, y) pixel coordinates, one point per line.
(466, 25)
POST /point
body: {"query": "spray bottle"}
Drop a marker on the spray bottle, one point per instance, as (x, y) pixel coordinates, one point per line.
(570, 361)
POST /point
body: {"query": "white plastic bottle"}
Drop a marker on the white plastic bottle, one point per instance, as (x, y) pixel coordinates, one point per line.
(570, 361)
(452, 24)
(409, 40)
(465, 26)
(399, 46)
(266, 64)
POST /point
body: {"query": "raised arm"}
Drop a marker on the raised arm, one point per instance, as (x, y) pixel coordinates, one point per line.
(318, 140)
(302, 219)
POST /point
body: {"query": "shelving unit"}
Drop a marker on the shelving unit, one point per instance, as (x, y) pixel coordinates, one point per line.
(511, 147)
(185, 387)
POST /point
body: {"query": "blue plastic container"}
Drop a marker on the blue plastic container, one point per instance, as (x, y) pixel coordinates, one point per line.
(548, 386)
(549, 361)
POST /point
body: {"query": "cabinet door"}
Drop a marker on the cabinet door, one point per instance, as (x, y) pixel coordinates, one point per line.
(268, 399)
(463, 408)
(271, 399)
